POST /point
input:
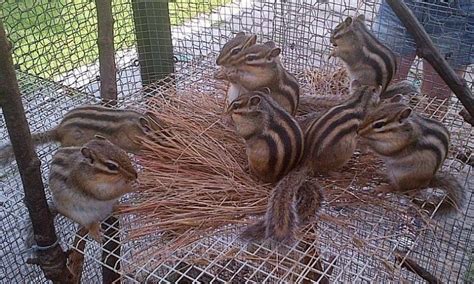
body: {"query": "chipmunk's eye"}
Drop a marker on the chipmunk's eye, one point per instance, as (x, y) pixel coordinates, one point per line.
(111, 166)
(235, 51)
(379, 124)
(251, 57)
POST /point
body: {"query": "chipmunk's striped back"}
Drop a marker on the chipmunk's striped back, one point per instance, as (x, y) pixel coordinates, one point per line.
(125, 128)
(98, 119)
(367, 59)
(331, 138)
(274, 140)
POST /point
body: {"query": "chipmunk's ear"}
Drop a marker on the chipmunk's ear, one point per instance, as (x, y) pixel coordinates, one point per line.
(404, 114)
(396, 98)
(265, 90)
(361, 17)
(239, 34)
(270, 44)
(145, 124)
(274, 53)
(348, 21)
(251, 41)
(255, 101)
(88, 154)
(355, 84)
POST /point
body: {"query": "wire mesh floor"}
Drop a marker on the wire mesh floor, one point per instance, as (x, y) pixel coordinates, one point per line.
(362, 249)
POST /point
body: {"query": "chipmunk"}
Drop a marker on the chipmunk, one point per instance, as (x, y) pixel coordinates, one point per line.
(413, 149)
(330, 139)
(367, 60)
(122, 127)
(275, 145)
(259, 66)
(274, 141)
(293, 202)
(87, 181)
(229, 53)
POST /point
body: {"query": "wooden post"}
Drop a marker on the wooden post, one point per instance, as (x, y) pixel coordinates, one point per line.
(427, 50)
(111, 249)
(108, 92)
(51, 258)
(105, 42)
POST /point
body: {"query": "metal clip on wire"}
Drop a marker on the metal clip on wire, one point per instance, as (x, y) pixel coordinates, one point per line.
(35, 248)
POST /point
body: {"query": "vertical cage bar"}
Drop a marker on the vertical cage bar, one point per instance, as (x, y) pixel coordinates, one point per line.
(153, 31)
(51, 258)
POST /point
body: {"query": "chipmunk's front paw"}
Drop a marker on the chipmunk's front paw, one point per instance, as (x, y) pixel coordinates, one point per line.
(255, 232)
(95, 232)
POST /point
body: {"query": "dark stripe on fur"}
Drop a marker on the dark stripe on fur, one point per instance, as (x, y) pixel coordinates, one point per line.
(433, 148)
(316, 126)
(272, 149)
(432, 132)
(296, 130)
(333, 126)
(285, 140)
(388, 60)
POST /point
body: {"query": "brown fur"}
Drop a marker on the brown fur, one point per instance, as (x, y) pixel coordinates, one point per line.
(87, 181)
(124, 128)
(259, 66)
(274, 141)
(367, 60)
(414, 149)
(294, 202)
(331, 138)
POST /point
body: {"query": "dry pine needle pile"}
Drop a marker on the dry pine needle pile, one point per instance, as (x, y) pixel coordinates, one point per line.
(196, 183)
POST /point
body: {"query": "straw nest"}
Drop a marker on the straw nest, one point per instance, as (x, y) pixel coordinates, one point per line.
(196, 184)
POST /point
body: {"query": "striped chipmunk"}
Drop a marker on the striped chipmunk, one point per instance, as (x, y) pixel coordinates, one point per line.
(331, 139)
(274, 141)
(86, 182)
(259, 66)
(228, 55)
(413, 148)
(124, 128)
(275, 146)
(366, 59)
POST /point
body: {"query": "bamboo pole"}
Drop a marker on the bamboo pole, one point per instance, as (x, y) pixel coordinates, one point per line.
(105, 42)
(50, 257)
(427, 50)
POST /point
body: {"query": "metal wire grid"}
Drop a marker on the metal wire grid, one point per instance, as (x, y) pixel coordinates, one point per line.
(222, 258)
(301, 50)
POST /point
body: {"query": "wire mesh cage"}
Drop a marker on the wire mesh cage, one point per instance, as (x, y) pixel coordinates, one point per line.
(161, 45)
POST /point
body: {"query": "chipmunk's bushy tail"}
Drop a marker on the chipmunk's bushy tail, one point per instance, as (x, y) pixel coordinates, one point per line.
(455, 193)
(6, 150)
(293, 201)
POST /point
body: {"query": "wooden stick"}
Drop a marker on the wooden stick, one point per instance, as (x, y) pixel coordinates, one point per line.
(427, 50)
(105, 41)
(467, 117)
(52, 260)
(414, 267)
(111, 251)
(76, 256)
